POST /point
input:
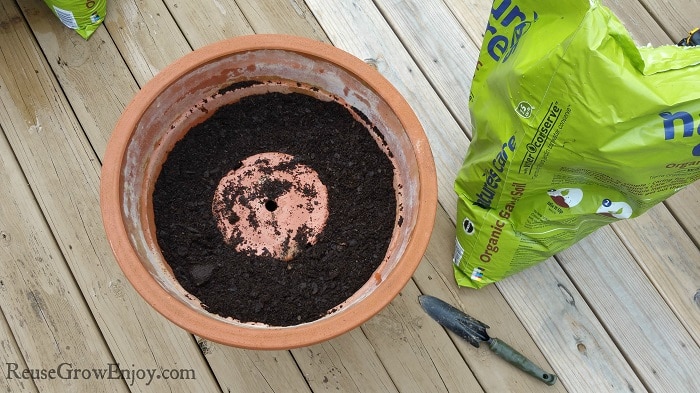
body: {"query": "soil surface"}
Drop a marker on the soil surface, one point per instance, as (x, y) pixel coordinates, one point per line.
(322, 135)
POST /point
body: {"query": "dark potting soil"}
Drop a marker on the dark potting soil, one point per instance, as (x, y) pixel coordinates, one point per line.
(361, 201)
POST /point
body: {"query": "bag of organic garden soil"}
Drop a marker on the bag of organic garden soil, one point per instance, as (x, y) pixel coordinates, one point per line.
(83, 16)
(575, 127)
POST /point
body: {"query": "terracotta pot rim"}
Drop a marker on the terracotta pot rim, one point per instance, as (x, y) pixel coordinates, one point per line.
(249, 336)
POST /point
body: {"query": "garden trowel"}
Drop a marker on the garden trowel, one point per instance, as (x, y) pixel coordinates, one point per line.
(474, 332)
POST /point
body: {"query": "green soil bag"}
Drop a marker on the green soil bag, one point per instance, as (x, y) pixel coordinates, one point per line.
(575, 127)
(83, 16)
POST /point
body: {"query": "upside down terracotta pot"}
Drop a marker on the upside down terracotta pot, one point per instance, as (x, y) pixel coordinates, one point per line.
(191, 89)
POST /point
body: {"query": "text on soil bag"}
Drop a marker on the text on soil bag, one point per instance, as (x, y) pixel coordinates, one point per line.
(539, 139)
(687, 122)
(497, 228)
(493, 175)
(499, 46)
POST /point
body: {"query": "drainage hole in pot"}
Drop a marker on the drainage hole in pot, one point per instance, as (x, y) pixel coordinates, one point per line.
(271, 205)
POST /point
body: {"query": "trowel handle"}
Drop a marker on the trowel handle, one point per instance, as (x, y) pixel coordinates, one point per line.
(518, 360)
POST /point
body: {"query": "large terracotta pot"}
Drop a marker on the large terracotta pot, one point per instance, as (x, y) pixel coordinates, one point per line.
(182, 95)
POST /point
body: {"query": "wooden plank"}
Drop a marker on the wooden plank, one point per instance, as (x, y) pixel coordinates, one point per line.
(575, 341)
(635, 17)
(415, 350)
(473, 15)
(449, 64)
(39, 298)
(63, 172)
(91, 73)
(435, 277)
(282, 17)
(676, 17)
(146, 35)
(345, 364)
(670, 262)
(240, 370)
(9, 350)
(684, 207)
(634, 313)
(208, 20)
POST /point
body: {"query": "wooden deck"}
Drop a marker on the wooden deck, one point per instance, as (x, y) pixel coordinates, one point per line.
(65, 303)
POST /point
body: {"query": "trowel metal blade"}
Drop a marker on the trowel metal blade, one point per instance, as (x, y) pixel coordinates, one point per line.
(463, 325)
